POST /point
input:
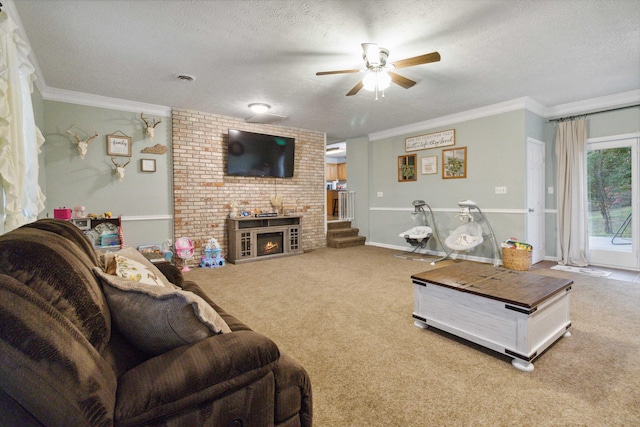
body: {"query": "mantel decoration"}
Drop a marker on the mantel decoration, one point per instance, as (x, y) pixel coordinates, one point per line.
(277, 202)
(454, 163)
(83, 144)
(119, 145)
(407, 168)
(430, 140)
(429, 165)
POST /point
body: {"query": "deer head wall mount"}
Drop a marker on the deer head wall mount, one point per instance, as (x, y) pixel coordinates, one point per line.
(120, 168)
(83, 144)
(150, 128)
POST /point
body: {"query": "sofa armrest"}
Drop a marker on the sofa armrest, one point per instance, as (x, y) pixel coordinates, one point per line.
(189, 375)
(294, 404)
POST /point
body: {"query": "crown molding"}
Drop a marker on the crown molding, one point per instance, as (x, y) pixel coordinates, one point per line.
(72, 97)
(618, 100)
(478, 113)
(623, 99)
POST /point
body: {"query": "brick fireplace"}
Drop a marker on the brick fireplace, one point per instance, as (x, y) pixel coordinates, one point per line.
(203, 193)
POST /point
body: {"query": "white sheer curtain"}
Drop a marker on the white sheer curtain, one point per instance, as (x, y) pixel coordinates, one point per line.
(573, 233)
(20, 139)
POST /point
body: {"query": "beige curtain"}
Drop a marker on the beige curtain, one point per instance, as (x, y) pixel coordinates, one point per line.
(573, 233)
(20, 139)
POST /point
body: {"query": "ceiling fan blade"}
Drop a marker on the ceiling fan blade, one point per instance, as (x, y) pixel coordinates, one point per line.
(356, 88)
(400, 80)
(417, 60)
(325, 73)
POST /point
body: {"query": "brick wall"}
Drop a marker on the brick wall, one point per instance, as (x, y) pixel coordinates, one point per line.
(203, 193)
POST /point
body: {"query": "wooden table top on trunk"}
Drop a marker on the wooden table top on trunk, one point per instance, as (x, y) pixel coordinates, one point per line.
(515, 287)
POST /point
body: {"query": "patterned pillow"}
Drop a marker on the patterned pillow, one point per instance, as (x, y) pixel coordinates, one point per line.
(156, 317)
(133, 270)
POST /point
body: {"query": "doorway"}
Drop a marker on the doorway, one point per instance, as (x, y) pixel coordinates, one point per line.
(612, 190)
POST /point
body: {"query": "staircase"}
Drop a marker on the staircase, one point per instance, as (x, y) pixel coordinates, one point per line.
(340, 234)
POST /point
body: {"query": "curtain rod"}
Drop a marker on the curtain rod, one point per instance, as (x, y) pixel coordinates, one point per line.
(560, 119)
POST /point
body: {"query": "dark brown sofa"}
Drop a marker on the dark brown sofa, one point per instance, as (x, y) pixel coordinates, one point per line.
(65, 362)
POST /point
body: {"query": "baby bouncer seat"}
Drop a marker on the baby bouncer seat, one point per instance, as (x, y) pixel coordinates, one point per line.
(469, 235)
(465, 237)
(417, 236)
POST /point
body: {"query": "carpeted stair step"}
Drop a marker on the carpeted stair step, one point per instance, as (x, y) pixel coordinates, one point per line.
(334, 225)
(342, 232)
(346, 242)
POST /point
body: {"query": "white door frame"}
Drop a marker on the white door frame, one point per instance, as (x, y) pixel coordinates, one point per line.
(535, 198)
(629, 260)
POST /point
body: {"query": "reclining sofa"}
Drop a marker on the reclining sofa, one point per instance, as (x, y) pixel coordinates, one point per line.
(79, 348)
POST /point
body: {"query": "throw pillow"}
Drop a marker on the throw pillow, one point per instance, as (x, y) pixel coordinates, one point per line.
(157, 318)
(133, 270)
(106, 261)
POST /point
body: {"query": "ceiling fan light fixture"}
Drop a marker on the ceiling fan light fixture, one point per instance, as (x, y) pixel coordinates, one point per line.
(259, 107)
(376, 80)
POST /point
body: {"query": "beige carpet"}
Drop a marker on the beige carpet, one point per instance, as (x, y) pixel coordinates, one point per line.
(345, 314)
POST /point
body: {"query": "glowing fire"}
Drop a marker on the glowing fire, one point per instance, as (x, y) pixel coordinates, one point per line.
(270, 246)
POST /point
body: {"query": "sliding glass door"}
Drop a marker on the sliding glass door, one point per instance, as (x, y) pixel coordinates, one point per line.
(612, 185)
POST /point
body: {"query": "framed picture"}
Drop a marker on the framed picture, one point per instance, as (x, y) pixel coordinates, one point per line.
(147, 165)
(407, 168)
(429, 165)
(454, 163)
(119, 145)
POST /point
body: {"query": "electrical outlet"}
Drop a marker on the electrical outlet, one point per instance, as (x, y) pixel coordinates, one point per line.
(379, 194)
(550, 190)
(501, 190)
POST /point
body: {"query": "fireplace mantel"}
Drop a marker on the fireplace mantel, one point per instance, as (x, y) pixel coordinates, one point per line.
(245, 232)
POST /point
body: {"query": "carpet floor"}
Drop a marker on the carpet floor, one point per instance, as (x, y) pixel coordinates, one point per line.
(346, 315)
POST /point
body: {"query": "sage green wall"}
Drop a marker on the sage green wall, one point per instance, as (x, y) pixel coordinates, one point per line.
(618, 122)
(496, 156)
(358, 167)
(92, 181)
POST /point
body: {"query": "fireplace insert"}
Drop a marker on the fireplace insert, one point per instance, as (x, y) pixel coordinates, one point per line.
(270, 243)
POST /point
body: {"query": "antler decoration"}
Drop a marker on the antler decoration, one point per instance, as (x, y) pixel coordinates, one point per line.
(120, 168)
(83, 144)
(149, 129)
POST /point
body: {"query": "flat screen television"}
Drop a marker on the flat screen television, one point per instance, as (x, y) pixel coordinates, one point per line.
(256, 154)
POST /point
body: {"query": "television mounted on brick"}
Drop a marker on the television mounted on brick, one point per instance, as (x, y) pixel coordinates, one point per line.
(260, 155)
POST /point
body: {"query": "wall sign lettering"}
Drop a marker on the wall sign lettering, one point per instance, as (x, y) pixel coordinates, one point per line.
(430, 140)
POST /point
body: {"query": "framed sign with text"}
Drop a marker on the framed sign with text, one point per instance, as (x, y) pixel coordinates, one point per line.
(430, 140)
(119, 145)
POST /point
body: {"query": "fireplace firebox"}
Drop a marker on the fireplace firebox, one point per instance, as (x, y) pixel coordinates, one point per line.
(270, 243)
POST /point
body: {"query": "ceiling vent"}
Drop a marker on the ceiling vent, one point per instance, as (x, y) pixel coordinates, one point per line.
(265, 118)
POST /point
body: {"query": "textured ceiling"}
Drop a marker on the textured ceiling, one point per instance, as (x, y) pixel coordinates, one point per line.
(555, 52)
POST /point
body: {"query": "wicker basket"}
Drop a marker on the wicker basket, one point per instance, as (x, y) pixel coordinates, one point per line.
(516, 259)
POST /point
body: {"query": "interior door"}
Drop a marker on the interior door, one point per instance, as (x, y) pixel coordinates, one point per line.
(535, 198)
(612, 186)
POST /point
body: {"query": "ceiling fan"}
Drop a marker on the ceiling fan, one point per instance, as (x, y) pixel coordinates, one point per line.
(379, 74)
